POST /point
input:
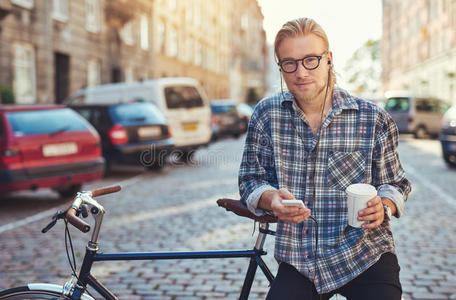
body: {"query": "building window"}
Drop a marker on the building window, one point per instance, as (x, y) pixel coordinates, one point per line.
(24, 74)
(189, 11)
(161, 36)
(93, 23)
(127, 33)
(244, 22)
(24, 3)
(173, 43)
(198, 54)
(144, 33)
(190, 48)
(129, 74)
(93, 73)
(60, 10)
(172, 4)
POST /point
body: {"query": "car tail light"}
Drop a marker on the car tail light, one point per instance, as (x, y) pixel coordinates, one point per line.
(214, 119)
(170, 135)
(10, 156)
(410, 119)
(118, 135)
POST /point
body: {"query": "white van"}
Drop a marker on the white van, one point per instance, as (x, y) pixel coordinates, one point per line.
(182, 100)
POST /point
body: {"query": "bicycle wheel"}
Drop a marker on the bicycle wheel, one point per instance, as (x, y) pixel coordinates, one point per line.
(36, 291)
(24, 293)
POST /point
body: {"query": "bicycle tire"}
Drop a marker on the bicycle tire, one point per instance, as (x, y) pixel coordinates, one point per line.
(36, 291)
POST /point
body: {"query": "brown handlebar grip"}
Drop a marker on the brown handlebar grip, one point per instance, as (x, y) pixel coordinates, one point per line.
(106, 190)
(76, 222)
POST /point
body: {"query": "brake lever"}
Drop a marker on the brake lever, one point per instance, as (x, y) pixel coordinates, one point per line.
(58, 215)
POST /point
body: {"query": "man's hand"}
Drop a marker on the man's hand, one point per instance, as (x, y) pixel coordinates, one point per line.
(374, 213)
(288, 214)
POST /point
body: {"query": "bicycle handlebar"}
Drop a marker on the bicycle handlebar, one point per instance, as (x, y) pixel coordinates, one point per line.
(106, 190)
(71, 212)
(75, 221)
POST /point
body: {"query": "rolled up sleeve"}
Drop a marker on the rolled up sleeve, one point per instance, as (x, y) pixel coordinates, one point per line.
(257, 171)
(387, 172)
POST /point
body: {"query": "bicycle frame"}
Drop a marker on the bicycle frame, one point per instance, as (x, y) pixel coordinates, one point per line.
(74, 290)
(91, 256)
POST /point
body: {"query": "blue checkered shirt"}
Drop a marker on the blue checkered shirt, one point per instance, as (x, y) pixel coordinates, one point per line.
(357, 144)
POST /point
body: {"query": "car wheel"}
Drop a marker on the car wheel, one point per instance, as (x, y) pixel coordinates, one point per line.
(450, 160)
(187, 156)
(69, 191)
(155, 166)
(421, 132)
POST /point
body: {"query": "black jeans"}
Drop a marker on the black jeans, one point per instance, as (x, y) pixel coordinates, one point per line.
(379, 282)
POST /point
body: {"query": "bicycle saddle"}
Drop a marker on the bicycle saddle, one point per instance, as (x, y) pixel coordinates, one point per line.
(239, 208)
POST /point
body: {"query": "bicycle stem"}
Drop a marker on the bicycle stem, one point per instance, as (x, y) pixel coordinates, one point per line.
(97, 211)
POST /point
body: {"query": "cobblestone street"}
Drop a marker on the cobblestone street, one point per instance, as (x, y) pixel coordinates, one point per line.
(175, 209)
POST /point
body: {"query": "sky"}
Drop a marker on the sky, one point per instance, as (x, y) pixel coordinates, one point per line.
(347, 23)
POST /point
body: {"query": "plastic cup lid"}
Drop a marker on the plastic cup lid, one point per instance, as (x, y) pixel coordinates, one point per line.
(361, 189)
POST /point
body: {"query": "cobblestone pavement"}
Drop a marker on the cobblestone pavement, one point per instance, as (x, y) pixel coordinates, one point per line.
(175, 209)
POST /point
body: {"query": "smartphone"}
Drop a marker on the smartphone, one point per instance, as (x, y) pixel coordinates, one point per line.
(293, 202)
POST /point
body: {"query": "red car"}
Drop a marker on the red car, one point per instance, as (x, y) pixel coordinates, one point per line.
(47, 146)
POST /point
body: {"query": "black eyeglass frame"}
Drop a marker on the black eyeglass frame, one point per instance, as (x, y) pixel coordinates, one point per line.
(319, 57)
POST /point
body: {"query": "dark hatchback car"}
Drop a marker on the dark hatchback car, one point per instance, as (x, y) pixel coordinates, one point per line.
(47, 146)
(131, 133)
(448, 137)
(226, 119)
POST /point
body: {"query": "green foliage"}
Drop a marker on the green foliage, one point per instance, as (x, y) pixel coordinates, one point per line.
(6, 95)
(363, 69)
(252, 96)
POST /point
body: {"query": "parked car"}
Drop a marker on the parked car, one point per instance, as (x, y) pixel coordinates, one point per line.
(246, 112)
(226, 119)
(131, 133)
(448, 136)
(420, 116)
(182, 100)
(47, 146)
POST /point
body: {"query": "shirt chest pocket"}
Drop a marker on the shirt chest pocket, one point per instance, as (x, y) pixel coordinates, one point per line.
(345, 168)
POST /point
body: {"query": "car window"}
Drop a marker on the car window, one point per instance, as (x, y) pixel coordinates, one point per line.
(83, 111)
(397, 104)
(45, 121)
(183, 97)
(136, 112)
(221, 109)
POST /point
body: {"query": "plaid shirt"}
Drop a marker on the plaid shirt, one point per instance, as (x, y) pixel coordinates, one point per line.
(357, 143)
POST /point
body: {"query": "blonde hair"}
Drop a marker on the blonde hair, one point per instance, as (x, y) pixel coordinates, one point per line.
(302, 27)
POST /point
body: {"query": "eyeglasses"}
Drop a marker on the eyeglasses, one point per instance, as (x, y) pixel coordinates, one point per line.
(310, 62)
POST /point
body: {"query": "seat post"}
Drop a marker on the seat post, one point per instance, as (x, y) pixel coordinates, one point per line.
(261, 236)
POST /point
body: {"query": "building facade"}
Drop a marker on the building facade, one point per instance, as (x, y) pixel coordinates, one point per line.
(419, 47)
(49, 49)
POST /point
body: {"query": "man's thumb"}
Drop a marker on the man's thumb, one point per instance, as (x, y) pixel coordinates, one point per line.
(285, 194)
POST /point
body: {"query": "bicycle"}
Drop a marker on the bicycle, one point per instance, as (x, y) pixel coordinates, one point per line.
(76, 287)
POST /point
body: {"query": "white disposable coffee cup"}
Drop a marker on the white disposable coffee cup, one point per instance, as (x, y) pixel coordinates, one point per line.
(357, 196)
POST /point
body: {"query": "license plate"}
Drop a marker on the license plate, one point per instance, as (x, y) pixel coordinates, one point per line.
(59, 149)
(190, 127)
(145, 132)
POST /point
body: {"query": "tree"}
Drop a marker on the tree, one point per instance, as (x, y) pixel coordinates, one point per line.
(6, 95)
(363, 69)
(252, 96)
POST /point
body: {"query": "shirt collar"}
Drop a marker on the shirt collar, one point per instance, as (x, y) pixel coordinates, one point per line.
(341, 100)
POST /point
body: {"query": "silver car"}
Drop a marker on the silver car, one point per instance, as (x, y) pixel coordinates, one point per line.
(420, 116)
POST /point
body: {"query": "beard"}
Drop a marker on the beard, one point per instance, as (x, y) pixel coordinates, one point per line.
(309, 97)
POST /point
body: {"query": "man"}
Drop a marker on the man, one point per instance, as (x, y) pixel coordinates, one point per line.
(310, 143)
